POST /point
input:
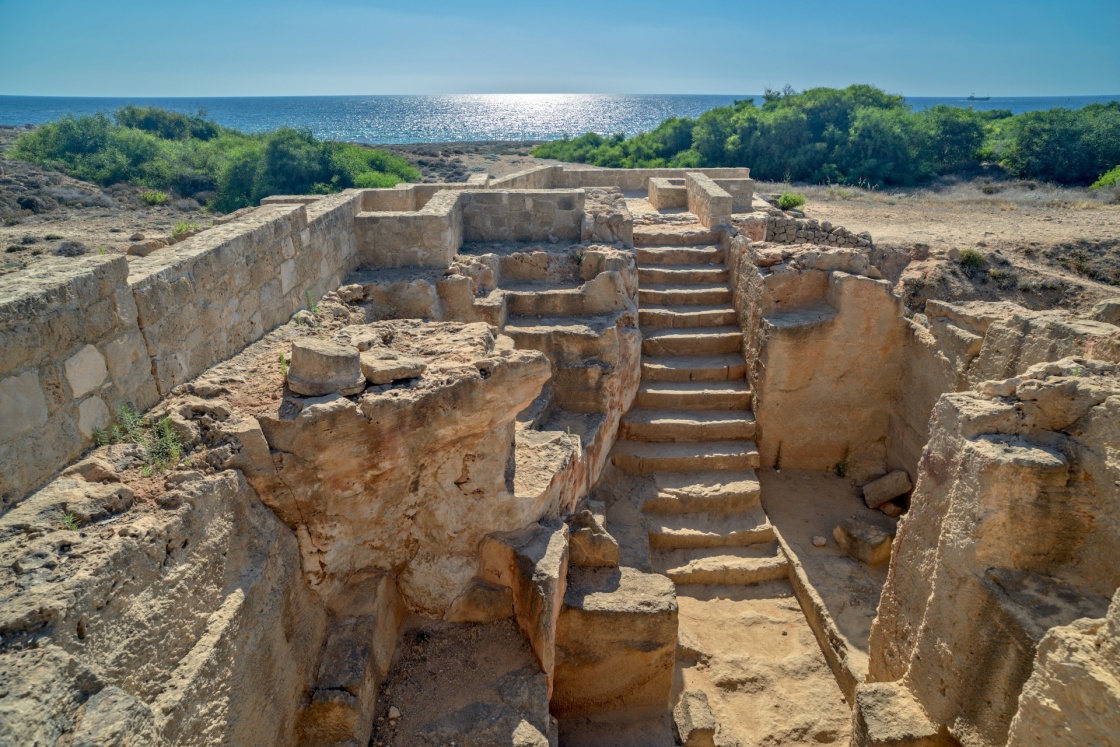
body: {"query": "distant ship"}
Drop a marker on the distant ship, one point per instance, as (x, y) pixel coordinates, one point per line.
(974, 97)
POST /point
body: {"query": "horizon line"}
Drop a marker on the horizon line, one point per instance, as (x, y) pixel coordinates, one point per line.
(493, 93)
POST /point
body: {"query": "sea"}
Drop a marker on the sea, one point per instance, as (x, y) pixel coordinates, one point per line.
(457, 117)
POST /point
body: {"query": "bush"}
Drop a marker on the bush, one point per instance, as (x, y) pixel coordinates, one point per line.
(1108, 179)
(970, 261)
(193, 157)
(790, 200)
(862, 135)
(154, 197)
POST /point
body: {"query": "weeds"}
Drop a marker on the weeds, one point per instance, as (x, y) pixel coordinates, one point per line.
(791, 200)
(181, 228)
(283, 365)
(71, 522)
(154, 197)
(52, 237)
(162, 446)
(312, 304)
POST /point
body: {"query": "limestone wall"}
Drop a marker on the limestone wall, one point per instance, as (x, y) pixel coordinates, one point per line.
(82, 337)
(823, 344)
(1011, 519)
(668, 193)
(634, 180)
(707, 201)
(540, 177)
(522, 215)
(183, 623)
(783, 229)
(72, 353)
(741, 191)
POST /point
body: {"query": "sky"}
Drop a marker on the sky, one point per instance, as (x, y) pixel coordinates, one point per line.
(334, 47)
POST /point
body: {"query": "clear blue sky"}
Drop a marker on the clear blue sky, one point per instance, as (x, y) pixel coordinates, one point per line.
(299, 47)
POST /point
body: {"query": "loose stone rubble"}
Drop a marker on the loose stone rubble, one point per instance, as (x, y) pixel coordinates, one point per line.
(569, 457)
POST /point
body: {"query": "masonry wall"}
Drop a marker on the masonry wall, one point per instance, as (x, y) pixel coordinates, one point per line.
(707, 200)
(428, 237)
(71, 354)
(636, 180)
(522, 215)
(82, 337)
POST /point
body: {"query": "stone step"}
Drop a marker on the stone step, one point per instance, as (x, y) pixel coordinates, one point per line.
(712, 492)
(730, 367)
(697, 341)
(681, 295)
(683, 274)
(572, 340)
(656, 235)
(681, 531)
(741, 566)
(653, 316)
(530, 300)
(644, 458)
(679, 255)
(665, 426)
(694, 395)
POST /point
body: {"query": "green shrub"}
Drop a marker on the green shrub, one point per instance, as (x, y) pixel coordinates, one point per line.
(154, 197)
(970, 261)
(189, 155)
(862, 135)
(790, 200)
(1108, 179)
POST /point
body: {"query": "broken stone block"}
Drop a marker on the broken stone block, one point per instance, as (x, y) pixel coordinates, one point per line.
(320, 367)
(481, 602)
(694, 720)
(616, 641)
(864, 540)
(590, 544)
(386, 366)
(1107, 311)
(891, 485)
(533, 562)
(886, 714)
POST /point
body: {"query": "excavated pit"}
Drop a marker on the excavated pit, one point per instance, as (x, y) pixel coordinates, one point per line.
(594, 457)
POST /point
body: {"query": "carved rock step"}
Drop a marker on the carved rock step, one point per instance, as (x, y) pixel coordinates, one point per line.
(679, 255)
(730, 367)
(699, 341)
(665, 426)
(742, 566)
(679, 531)
(677, 295)
(694, 395)
(683, 274)
(685, 317)
(715, 492)
(567, 339)
(641, 458)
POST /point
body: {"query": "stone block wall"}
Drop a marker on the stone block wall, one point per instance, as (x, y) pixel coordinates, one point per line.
(72, 353)
(741, 191)
(782, 229)
(83, 337)
(633, 180)
(522, 215)
(427, 237)
(541, 177)
(667, 193)
(707, 200)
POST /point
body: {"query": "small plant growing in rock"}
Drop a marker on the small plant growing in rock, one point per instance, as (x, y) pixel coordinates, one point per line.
(154, 197)
(312, 304)
(970, 261)
(283, 365)
(183, 227)
(71, 522)
(842, 465)
(790, 200)
(164, 447)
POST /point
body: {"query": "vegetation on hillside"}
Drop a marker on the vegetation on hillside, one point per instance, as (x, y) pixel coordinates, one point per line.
(194, 157)
(862, 135)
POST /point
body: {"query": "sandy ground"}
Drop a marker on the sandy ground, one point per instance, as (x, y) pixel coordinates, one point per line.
(803, 505)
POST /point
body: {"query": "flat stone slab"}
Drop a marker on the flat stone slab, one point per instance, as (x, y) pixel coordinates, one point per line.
(865, 540)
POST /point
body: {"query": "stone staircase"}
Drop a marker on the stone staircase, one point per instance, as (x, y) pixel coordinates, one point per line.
(691, 426)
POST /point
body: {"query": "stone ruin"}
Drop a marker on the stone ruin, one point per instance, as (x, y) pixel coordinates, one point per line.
(576, 456)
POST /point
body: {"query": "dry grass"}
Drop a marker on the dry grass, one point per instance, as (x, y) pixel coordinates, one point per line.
(1006, 195)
